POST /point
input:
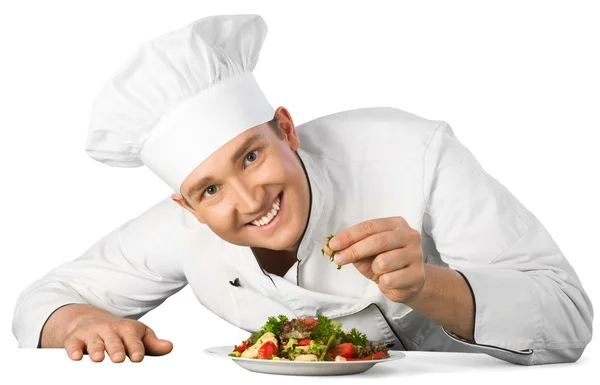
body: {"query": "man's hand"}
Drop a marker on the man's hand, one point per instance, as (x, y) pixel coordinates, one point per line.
(82, 328)
(117, 336)
(386, 251)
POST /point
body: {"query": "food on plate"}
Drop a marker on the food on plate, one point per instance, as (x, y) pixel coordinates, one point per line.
(308, 339)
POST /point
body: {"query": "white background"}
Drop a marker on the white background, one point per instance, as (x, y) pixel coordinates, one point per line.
(518, 81)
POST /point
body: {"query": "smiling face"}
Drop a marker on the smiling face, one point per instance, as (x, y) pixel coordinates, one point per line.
(253, 190)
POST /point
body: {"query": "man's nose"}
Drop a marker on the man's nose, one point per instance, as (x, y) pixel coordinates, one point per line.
(248, 199)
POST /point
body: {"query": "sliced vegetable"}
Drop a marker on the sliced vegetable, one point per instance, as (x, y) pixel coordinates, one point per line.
(267, 350)
(327, 347)
(345, 350)
(304, 342)
(241, 347)
(310, 322)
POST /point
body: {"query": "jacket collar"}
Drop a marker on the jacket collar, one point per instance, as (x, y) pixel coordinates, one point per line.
(320, 202)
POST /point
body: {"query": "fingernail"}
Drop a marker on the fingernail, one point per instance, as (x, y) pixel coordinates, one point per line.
(339, 259)
(333, 243)
(136, 356)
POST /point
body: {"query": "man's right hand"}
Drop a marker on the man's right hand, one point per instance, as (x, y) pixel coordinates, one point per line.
(85, 329)
(119, 337)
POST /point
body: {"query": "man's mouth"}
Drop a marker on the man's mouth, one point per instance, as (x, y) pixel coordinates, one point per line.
(270, 215)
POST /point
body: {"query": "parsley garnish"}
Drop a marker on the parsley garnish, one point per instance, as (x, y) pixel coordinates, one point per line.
(356, 337)
(327, 328)
(273, 325)
(333, 252)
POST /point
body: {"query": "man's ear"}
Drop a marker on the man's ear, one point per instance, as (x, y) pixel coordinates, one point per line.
(179, 200)
(286, 124)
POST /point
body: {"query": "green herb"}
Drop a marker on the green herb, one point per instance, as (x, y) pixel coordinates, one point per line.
(333, 252)
(356, 337)
(327, 328)
(329, 344)
(273, 325)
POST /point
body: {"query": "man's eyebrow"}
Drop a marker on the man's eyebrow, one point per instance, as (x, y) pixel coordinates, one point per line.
(244, 147)
(199, 186)
(240, 151)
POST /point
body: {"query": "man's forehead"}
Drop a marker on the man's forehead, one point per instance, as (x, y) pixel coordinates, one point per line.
(233, 152)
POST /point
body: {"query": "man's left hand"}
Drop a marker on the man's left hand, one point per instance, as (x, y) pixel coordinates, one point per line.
(387, 251)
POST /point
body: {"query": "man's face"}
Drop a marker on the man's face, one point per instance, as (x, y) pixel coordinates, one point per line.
(248, 176)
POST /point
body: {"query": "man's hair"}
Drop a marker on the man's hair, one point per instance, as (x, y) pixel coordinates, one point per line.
(274, 124)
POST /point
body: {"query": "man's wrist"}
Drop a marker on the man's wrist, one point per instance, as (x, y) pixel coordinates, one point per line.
(64, 320)
(447, 300)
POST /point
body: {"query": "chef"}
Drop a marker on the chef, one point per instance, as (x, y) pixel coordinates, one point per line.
(429, 251)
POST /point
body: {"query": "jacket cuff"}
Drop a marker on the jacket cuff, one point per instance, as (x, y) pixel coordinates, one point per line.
(507, 320)
(33, 313)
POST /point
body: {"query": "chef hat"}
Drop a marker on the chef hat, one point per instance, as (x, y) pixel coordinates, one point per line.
(180, 97)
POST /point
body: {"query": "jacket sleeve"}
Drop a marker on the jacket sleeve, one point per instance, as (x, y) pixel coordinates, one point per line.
(128, 272)
(530, 307)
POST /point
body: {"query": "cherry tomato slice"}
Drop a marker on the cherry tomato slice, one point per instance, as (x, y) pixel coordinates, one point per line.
(267, 350)
(241, 347)
(345, 350)
(304, 342)
(310, 322)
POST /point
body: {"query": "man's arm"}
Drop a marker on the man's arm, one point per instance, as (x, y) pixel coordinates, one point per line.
(529, 305)
(447, 300)
(125, 274)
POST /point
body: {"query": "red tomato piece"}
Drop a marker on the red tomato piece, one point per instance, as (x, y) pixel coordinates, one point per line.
(267, 350)
(345, 350)
(304, 342)
(310, 322)
(240, 348)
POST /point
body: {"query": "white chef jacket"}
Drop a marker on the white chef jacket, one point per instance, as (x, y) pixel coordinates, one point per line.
(530, 307)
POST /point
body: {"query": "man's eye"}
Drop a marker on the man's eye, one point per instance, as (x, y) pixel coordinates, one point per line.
(251, 157)
(211, 190)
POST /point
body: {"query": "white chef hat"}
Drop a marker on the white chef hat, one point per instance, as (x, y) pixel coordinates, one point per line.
(180, 97)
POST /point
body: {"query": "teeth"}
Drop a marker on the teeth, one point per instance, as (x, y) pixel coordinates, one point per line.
(267, 218)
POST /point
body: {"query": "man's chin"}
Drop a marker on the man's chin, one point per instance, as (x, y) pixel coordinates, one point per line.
(274, 245)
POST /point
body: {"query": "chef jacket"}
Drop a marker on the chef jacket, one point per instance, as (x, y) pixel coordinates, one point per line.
(530, 307)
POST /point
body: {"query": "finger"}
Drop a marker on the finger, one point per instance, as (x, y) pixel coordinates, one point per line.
(408, 279)
(364, 267)
(74, 348)
(134, 347)
(95, 347)
(391, 260)
(363, 230)
(114, 346)
(154, 345)
(372, 246)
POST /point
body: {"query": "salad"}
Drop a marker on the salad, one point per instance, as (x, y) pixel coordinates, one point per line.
(308, 339)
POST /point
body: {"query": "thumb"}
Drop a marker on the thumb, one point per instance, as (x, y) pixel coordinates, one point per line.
(154, 346)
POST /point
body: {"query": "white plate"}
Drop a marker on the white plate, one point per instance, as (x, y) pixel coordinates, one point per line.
(296, 368)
